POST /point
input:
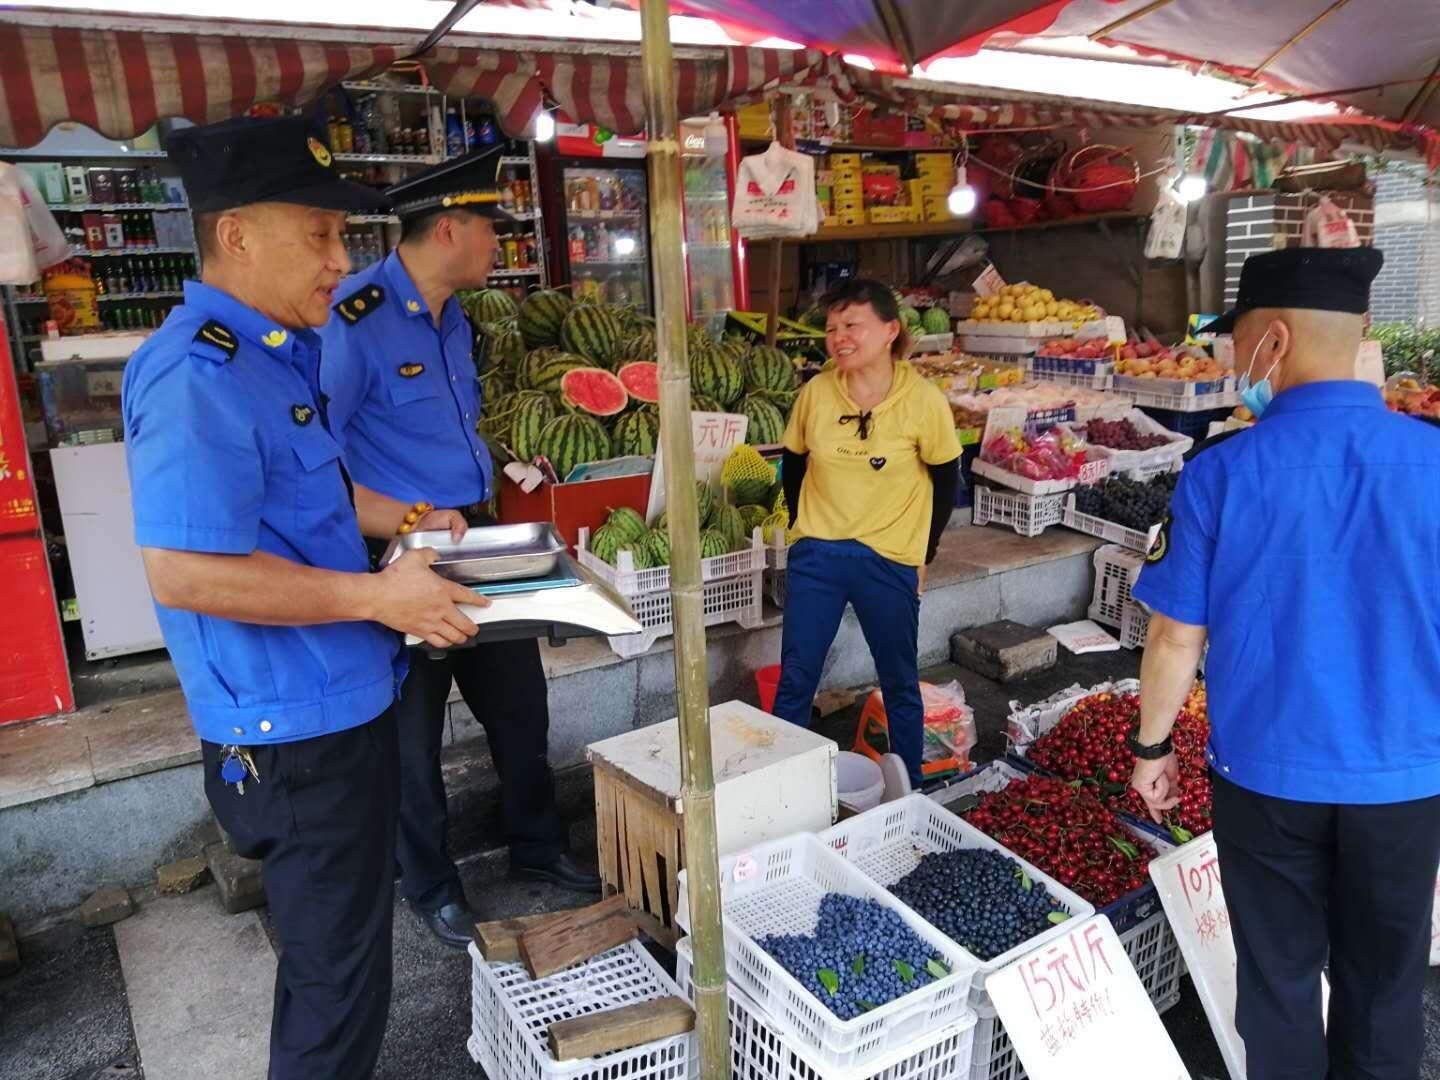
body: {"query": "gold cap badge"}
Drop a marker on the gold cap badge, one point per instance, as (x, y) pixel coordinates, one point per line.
(319, 152)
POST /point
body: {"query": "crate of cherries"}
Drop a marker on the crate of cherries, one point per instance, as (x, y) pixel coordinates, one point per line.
(1088, 746)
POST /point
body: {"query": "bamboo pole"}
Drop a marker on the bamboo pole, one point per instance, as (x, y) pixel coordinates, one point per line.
(785, 136)
(697, 784)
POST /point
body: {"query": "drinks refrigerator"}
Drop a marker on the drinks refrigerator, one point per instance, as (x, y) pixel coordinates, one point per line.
(598, 192)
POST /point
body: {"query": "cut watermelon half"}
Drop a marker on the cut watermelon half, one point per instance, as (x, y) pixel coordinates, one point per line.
(593, 390)
(641, 380)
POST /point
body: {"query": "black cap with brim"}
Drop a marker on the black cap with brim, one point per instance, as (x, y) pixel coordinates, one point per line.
(466, 183)
(1317, 279)
(276, 159)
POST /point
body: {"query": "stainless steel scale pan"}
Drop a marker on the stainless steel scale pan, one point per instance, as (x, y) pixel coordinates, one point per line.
(487, 553)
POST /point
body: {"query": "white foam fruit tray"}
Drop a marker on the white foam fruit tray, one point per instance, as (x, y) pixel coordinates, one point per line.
(761, 1050)
(511, 1015)
(886, 843)
(776, 888)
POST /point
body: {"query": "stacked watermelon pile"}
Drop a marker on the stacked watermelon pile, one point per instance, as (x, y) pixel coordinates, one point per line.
(722, 531)
(575, 382)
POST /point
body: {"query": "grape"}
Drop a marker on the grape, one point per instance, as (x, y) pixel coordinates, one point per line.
(1131, 503)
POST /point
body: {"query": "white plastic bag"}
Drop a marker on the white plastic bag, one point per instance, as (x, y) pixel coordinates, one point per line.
(1166, 239)
(17, 254)
(1328, 226)
(775, 195)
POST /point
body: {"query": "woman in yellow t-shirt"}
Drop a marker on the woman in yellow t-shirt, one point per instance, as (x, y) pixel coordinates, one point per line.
(870, 470)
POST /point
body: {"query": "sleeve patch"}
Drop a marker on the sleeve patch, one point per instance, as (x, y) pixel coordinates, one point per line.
(1160, 546)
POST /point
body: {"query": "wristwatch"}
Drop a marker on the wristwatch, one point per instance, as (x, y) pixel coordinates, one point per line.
(1147, 753)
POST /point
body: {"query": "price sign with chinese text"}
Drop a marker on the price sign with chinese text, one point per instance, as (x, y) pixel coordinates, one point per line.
(1076, 1010)
(713, 436)
(1188, 880)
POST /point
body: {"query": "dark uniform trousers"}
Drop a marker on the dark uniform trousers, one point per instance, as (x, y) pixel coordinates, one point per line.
(1307, 883)
(503, 683)
(321, 819)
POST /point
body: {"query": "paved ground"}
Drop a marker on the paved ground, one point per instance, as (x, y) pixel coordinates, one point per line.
(182, 990)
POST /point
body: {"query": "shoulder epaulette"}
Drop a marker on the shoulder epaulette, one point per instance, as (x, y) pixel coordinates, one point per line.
(218, 336)
(360, 303)
(1213, 441)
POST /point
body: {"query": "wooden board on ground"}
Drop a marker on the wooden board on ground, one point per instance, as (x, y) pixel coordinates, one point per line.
(620, 1029)
(499, 940)
(572, 936)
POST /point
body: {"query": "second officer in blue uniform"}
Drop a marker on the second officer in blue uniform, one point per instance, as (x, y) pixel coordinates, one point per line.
(1307, 551)
(251, 539)
(404, 396)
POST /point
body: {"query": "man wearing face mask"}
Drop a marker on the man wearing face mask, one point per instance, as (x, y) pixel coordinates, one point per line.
(1307, 551)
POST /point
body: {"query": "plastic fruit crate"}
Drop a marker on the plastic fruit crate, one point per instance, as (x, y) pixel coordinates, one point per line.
(733, 591)
(776, 888)
(1155, 960)
(777, 556)
(886, 844)
(1116, 569)
(511, 1014)
(1028, 515)
(761, 1051)
(1134, 625)
(1115, 533)
(1091, 472)
(1124, 461)
(1194, 424)
(1178, 395)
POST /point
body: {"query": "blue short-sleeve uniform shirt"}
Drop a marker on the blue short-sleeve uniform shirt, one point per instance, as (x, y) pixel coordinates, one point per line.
(404, 399)
(229, 453)
(1309, 545)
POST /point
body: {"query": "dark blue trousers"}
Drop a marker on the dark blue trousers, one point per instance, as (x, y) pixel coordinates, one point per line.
(1307, 882)
(822, 577)
(322, 821)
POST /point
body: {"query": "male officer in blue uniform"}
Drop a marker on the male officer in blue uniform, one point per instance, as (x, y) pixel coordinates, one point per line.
(1307, 549)
(405, 400)
(252, 545)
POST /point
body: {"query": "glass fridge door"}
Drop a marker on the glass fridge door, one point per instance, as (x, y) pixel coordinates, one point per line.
(707, 232)
(606, 234)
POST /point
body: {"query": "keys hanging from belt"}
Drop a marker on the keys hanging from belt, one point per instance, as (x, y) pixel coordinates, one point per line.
(237, 763)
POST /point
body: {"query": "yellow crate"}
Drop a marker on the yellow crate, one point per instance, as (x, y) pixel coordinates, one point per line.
(934, 162)
(828, 220)
(891, 215)
(845, 161)
(754, 121)
(920, 190)
(937, 208)
(851, 217)
(849, 206)
(846, 182)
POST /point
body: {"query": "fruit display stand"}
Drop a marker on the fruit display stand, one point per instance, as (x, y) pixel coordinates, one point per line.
(886, 843)
(761, 1050)
(510, 1015)
(733, 591)
(776, 778)
(776, 888)
(1028, 515)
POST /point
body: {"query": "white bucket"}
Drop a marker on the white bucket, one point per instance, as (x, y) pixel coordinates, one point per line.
(859, 784)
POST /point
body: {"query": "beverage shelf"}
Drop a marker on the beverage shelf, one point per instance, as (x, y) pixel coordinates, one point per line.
(163, 295)
(105, 253)
(76, 207)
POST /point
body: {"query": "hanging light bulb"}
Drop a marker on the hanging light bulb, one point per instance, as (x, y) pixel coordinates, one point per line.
(544, 127)
(1191, 187)
(962, 199)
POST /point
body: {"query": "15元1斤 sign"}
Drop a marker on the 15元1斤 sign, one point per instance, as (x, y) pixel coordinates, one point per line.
(1069, 1005)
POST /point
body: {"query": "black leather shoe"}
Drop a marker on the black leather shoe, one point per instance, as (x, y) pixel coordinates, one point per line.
(563, 871)
(452, 924)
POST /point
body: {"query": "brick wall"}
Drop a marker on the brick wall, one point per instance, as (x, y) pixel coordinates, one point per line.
(1407, 230)
(1264, 222)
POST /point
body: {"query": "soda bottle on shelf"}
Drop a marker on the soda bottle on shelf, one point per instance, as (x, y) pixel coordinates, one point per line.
(512, 253)
(577, 244)
(531, 250)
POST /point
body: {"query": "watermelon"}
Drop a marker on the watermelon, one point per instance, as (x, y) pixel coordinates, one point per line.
(637, 345)
(628, 525)
(731, 525)
(784, 400)
(491, 305)
(713, 543)
(705, 500)
(639, 554)
(767, 422)
(658, 542)
(774, 528)
(572, 439)
(604, 543)
(768, 368)
(507, 347)
(641, 379)
(701, 403)
(591, 332)
(935, 320)
(753, 516)
(543, 370)
(909, 317)
(716, 373)
(541, 316)
(496, 385)
(592, 390)
(636, 432)
(531, 411)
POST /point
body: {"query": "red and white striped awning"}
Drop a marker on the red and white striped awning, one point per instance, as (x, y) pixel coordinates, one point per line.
(119, 79)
